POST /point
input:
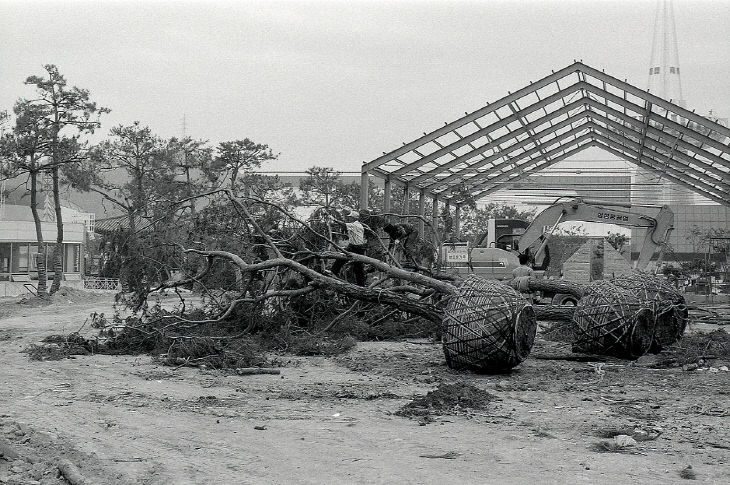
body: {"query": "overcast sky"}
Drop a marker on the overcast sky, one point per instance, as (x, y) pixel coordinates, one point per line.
(337, 83)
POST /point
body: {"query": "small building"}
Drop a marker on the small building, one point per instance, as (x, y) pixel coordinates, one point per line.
(595, 260)
(19, 247)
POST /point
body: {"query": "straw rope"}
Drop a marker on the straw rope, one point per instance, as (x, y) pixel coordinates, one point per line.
(666, 303)
(610, 320)
(488, 327)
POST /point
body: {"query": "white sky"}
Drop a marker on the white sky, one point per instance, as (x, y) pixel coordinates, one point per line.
(338, 83)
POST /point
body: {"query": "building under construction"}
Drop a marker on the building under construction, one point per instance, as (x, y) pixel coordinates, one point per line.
(507, 151)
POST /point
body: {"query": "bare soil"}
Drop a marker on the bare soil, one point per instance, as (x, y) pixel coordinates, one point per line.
(124, 420)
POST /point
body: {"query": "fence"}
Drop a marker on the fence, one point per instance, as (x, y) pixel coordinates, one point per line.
(95, 283)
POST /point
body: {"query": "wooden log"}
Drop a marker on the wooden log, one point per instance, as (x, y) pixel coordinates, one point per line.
(71, 473)
(554, 313)
(250, 371)
(552, 286)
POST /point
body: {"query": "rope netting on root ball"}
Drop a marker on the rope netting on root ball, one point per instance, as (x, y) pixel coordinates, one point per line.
(610, 320)
(487, 327)
(666, 303)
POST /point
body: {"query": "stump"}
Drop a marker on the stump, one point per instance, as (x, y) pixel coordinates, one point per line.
(488, 327)
(666, 303)
(610, 320)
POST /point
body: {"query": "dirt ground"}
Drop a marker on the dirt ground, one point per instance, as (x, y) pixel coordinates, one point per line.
(124, 420)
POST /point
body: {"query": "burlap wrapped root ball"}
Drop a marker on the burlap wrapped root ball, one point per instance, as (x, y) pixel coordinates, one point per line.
(488, 327)
(666, 303)
(610, 320)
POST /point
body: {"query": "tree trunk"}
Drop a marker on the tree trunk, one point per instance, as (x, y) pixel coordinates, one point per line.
(374, 295)
(58, 250)
(41, 257)
(552, 286)
(132, 223)
(554, 313)
(190, 188)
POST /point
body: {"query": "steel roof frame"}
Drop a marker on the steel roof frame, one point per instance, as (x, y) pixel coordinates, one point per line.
(634, 124)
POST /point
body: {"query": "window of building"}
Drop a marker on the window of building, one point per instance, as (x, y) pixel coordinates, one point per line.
(20, 253)
(33, 257)
(656, 70)
(671, 70)
(71, 260)
(4, 260)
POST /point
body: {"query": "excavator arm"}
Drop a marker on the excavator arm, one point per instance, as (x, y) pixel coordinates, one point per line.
(534, 240)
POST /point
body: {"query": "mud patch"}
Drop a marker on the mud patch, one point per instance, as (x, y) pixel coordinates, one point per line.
(448, 399)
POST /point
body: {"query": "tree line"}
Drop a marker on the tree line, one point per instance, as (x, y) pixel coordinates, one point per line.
(157, 182)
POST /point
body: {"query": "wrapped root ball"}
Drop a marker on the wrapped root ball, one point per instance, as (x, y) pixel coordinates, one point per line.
(612, 321)
(665, 301)
(488, 327)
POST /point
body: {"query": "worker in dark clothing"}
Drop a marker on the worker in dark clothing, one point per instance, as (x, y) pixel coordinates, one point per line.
(356, 243)
(405, 233)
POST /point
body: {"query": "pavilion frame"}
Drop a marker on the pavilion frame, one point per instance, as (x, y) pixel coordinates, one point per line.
(548, 121)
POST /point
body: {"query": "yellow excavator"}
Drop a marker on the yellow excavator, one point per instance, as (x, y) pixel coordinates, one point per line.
(495, 253)
(534, 240)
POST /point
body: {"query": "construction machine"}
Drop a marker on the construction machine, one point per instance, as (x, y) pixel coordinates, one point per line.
(495, 254)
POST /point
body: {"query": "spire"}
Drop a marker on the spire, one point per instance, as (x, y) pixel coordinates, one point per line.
(664, 80)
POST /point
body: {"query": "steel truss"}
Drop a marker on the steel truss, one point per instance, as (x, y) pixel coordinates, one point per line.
(550, 120)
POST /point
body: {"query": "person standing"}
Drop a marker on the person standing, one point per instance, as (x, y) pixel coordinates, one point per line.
(356, 243)
(407, 234)
(523, 273)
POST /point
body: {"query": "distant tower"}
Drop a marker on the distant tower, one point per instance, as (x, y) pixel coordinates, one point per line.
(664, 80)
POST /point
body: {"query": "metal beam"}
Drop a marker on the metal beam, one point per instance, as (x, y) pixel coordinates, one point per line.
(504, 138)
(650, 155)
(530, 135)
(421, 212)
(566, 71)
(435, 215)
(656, 100)
(668, 123)
(406, 200)
(541, 166)
(650, 142)
(488, 129)
(647, 117)
(616, 149)
(676, 142)
(364, 183)
(507, 160)
(552, 161)
(681, 143)
(457, 222)
(387, 196)
(676, 176)
(486, 177)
